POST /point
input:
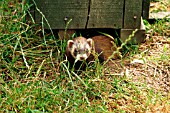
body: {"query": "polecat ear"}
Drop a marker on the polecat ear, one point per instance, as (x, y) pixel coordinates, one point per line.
(90, 42)
(70, 43)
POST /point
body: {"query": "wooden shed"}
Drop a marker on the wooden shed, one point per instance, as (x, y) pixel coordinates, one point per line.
(85, 14)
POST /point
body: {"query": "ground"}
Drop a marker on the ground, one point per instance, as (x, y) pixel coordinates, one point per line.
(151, 66)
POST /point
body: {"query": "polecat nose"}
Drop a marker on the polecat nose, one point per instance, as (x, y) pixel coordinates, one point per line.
(82, 58)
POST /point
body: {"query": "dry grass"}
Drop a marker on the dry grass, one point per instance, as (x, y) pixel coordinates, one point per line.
(149, 69)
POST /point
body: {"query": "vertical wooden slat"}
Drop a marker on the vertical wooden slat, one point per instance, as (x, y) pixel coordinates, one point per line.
(132, 14)
(106, 14)
(145, 9)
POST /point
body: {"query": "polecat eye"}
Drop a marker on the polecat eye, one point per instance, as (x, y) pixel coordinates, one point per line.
(87, 51)
(76, 52)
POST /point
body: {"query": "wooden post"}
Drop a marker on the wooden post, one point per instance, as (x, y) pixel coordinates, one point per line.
(138, 37)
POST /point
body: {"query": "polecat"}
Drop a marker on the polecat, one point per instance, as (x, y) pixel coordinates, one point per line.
(79, 52)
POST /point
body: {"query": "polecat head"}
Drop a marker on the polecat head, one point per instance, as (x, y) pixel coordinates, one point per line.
(80, 48)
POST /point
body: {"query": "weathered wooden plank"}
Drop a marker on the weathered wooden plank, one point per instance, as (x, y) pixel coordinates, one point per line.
(57, 11)
(106, 14)
(145, 9)
(139, 36)
(103, 14)
(132, 14)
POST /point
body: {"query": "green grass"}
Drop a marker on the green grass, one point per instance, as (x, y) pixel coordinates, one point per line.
(34, 76)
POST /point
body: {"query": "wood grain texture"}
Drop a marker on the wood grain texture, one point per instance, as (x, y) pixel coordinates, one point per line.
(145, 9)
(132, 14)
(56, 11)
(115, 14)
(103, 14)
(138, 37)
(106, 14)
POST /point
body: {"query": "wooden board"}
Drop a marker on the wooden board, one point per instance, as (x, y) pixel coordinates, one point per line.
(145, 9)
(115, 14)
(56, 11)
(103, 14)
(106, 14)
(138, 37)
(132, 14)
